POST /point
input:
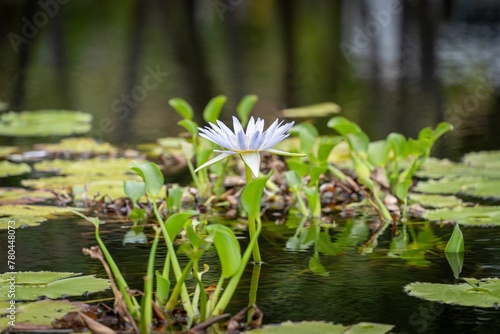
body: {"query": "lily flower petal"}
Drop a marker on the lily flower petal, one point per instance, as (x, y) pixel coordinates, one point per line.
(252, 160)
(210, 162)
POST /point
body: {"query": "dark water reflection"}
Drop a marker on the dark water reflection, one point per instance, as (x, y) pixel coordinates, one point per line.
(391, 65)
(358, 288)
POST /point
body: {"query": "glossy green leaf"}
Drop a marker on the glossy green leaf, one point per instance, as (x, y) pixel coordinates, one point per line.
(398, 144)
(252, 195)
(227, 246)
(212, 110)
(378, 152)
(456, 262)
(299, 166)
(174, 198)
(182, 107)
(245, 107)
(325, 147)
(293, 179)
(162, 288)
(151, 175)
(134, 190)
(307, 134)
(190, 126)
(456, 242)
(175, 222)
(475, 292)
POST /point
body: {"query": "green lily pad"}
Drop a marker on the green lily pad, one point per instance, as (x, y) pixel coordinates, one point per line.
(435, 201)
(39, 313)
(11, 169)
(7, 150)
(28, 214)
(314, 110)
(319, 327)
(485, 159)
(436, 169)
(469, 185)
(475, 292)
(23, 196)
(81, 145)
(477, 215)
(32, 285)
(42, 123)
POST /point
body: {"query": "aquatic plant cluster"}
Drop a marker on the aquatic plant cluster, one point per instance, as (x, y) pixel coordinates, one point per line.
(343, 171)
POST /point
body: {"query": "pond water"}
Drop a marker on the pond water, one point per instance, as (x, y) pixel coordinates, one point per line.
(359, 287)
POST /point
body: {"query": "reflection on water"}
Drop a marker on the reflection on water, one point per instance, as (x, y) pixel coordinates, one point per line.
(391, 65)
(359, 287)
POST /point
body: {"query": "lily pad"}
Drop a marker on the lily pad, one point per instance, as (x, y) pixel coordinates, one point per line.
(435, 201)
(477, 215)
(472, 186)
(28, 214)
(485, 159)
(11, 169)
(314, 110)
(319, 327)
(7, 150)
(32, 285)
(475, 292)
(39, 313)
(436, 169)
(23, 196)
(82, 145)
(42, 123)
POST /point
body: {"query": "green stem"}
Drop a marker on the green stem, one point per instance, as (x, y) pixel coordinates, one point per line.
(147, 298)
(302, 204)
(251, 223)
(179, 285)
(175, 263)
(254, 286)
(215, 296)
(233, 282)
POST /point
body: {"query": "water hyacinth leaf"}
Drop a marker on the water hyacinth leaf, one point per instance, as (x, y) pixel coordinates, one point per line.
(182, 107)
(193, 237)
(162, 287)
(12, 169)
(190, 126)
(317, 171)
(134, 190)
(228, 248)
(475, 292)
(174, 198)
(378, 152)
(175, 222)
(315, 110)
(477, 215)
(398, 144)
(307, 134)
(456, 242)
(317, 267)
(325, 147)
(212, 110)
(245, 107)
(41, 313)
(32, 285)
(343, 126)
(252, 195)
(358, 142)
(151, 175)
(42, 123)
(298, 166)
(320, 327)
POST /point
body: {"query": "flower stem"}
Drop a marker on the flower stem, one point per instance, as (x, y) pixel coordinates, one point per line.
(251, 223)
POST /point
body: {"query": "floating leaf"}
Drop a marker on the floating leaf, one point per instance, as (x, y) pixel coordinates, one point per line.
(29, 214)
(485, 159)
(436, 169)
(39, 313)
(468, 185)
(23, 196)
(475, 292)
(43, 123)
(319, 327)
(81, 145)
(436, 201)
(11, 169)
(315, 110)
(32, 285)
(7, 150)
(477, 215)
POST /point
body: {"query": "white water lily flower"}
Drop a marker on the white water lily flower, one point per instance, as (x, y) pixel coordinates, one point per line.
(247, 145)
